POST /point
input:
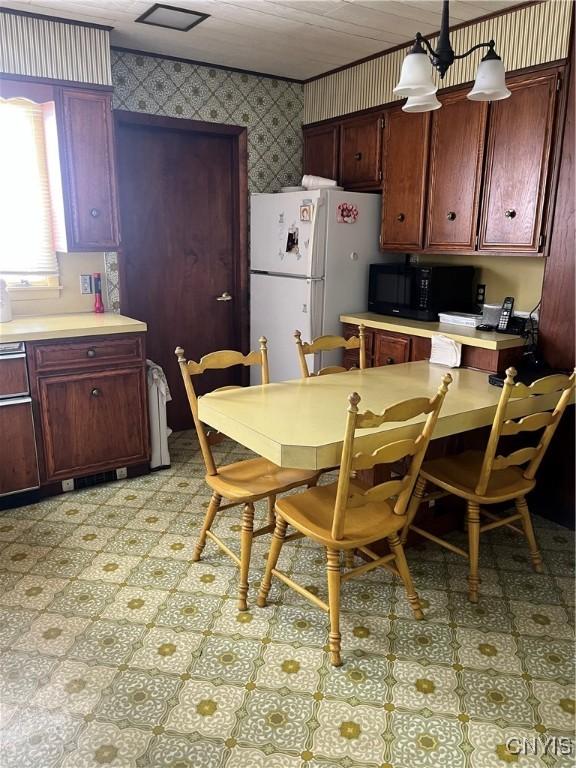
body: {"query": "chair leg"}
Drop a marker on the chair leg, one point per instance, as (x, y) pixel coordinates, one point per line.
(333, 573)
(208, 520)
(404, 571)
(473, 518)
(522, 509)
(245, 552)
(349, 558)
(275, 548)
(413, 507)
(271, 513)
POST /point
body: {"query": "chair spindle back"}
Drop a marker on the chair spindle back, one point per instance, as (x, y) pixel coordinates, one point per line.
(225, 358)
(328, 344)
(548, 419)
(383, 452)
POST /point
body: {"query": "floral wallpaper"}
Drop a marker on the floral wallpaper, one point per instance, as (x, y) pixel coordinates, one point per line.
(270, 109)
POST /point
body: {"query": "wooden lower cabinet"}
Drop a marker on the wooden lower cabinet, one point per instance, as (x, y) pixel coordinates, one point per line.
(390, 348)
(91, 414)
(18, 468)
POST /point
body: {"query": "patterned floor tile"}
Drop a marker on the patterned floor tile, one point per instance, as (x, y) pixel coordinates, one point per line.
(426, 742)
(206, 709)
(296, 669)
(139, 698)
(139, 604)
(117, 650)
(346, 731)
(166, 650)
(52, 634)
(107, 642)
(106, 744)
(419, 687)
(275, 720)
(74, 687)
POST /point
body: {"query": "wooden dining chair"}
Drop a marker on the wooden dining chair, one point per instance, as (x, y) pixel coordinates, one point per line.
(244, 482)
(329, 344)
(485, 478)
(343, 516)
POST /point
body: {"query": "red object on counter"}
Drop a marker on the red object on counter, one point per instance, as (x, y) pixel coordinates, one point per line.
(98, 303)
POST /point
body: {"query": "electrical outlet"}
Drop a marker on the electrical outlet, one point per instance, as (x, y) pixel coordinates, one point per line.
(86, 284)
(67, 485)
(121, 473)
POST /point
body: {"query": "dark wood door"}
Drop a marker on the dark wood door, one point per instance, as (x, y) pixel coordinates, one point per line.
(519, 141)
(456, 153)
(321, 145)
(390, 349)
(360, 152)
(18, 465)
(404, 161)
(183, 265)
(93, 421)
(88, 169)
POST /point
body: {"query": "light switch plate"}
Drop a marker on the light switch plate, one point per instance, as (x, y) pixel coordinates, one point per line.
(86, 284)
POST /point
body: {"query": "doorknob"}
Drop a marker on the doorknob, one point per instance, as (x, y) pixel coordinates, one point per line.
(224, 297)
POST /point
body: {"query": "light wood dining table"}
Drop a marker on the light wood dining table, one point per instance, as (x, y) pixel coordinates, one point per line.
(301, 423)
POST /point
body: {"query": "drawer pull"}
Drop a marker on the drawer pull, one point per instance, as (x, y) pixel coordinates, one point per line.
(400, 217)
(451, 216)
(510, 213)
(95, 392)
(90, 352)
(358, 156)
(94, 212)
(389, 361)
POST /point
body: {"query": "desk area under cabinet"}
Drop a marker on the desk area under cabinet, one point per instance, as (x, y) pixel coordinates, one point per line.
(392, 340)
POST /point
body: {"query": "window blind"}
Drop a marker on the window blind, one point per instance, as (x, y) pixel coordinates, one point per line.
(26, 236)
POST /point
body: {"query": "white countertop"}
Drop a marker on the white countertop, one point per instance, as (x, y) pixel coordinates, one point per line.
(460, 333)
(67, 326)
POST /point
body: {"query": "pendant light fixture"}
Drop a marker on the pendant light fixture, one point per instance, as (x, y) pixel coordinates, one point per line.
(416, 76)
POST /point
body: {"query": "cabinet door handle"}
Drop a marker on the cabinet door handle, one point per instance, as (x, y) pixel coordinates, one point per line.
(94, 212)
(224, 297)
(358, 156)
(451, 215)
(389, 361)
(95, 392)
(400, 217)
(510, 213)
(90, 352)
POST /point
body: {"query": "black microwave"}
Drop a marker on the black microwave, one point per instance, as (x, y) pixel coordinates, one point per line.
(419, 291)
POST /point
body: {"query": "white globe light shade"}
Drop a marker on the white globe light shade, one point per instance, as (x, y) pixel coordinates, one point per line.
(422, 103)
(490, 83)
(416, 76)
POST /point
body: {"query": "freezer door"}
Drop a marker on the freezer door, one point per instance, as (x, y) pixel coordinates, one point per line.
(279, 306)
(284, 233)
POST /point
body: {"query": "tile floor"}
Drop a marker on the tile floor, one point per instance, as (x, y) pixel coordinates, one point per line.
(116, 651)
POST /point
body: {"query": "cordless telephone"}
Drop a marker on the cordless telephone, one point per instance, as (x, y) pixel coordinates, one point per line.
(505, 314)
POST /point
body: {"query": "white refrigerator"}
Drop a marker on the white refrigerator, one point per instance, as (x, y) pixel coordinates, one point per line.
(310, 253)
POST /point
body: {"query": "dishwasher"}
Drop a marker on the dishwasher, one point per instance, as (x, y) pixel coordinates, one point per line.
(18, 456)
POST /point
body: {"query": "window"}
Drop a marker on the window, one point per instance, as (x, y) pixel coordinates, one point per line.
(27, 254)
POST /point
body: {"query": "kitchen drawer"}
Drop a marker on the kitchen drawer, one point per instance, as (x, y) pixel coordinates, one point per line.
(93, 421)
(13, 375)
(88, 353)
(390, 349)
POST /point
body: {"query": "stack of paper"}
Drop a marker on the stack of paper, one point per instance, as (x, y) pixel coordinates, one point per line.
(445, 351)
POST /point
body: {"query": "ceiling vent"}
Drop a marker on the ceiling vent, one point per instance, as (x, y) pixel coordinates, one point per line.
(172, 18)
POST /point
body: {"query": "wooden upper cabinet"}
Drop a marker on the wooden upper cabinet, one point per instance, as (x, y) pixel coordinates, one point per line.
(404, 160)
(321, 144)
(456, 153)
(88, 171)
(518, 151)
(360, 152)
